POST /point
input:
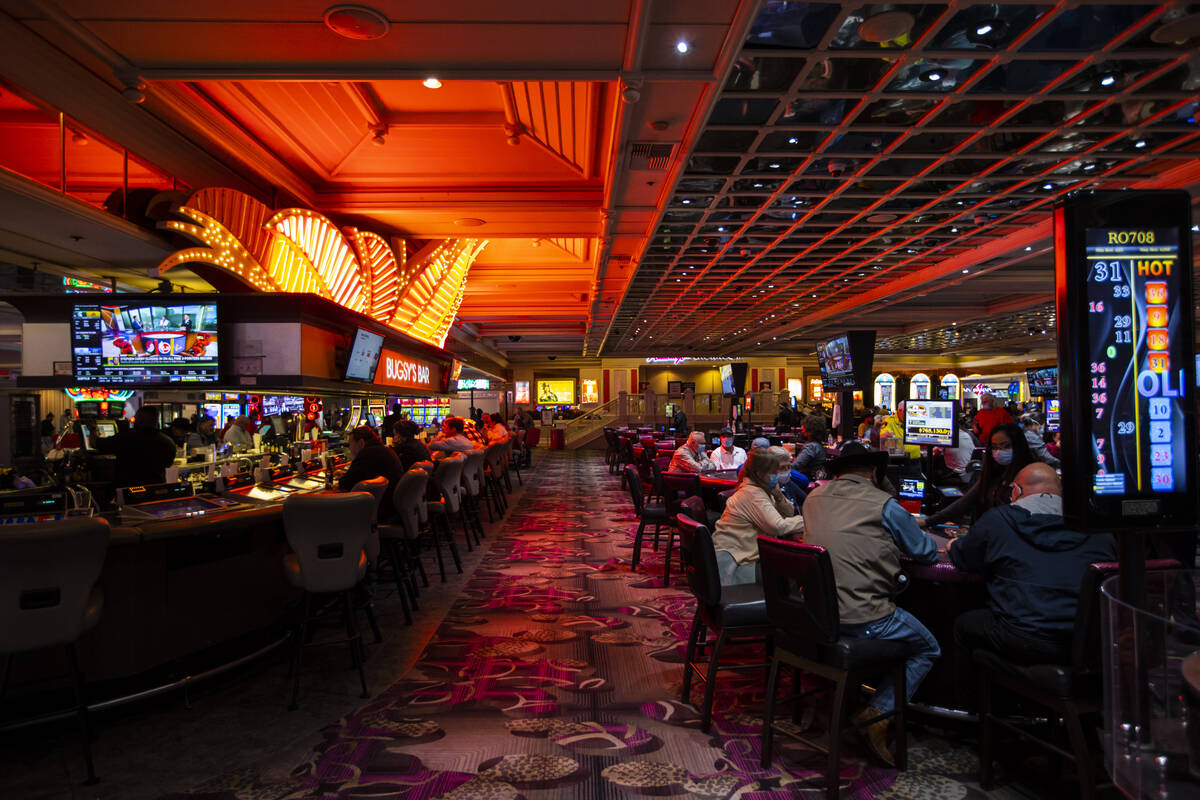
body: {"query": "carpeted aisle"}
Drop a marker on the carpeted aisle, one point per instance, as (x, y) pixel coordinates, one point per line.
(556, 675)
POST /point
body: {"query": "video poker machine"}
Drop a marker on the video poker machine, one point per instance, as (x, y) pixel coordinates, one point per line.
(1123, 262)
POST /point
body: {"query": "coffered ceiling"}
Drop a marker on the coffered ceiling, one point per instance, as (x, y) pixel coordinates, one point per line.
(656, 176)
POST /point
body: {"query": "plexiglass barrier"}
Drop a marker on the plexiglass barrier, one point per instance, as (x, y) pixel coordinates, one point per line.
(1152, 687)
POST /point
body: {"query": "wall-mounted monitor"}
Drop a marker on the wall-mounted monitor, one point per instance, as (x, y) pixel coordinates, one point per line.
(145, 342)
(733, 379)
(1042, 382)
(1123, 273)
(282, 403)
(845, 361)
(364, 356)
(560, 392)
(931, 422)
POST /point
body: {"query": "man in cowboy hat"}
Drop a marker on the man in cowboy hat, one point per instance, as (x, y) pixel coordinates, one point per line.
(865, 531)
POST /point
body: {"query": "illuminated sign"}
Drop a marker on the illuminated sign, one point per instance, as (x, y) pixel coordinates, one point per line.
(918, 387)
(78, 286)
(521, 392)
(85, 393)
(591, 392)
(465, 384)
(403, 371)
(816, 390)
(952, 386)
(931, 422)
(681, 359)
(298, 250)
(1127, 358)
(561, 392)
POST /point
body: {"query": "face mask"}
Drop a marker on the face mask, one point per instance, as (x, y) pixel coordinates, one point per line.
(773, 480)
(726, 442)
(1003, 457)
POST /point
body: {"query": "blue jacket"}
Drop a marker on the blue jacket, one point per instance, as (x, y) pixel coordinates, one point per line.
(1034, 565)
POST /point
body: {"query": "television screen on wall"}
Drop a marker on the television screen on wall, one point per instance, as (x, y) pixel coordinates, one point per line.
(145, 343)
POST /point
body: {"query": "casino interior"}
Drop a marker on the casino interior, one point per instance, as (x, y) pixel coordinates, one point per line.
(395, 330)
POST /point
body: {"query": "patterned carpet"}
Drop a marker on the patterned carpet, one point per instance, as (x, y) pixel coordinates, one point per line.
(557, 675)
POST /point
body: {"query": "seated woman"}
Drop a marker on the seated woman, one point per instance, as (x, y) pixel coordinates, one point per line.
(809, 464)
(496, 430)
(1007, 454)
(756, 508)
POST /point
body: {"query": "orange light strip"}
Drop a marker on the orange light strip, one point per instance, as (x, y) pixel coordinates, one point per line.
(298, 250)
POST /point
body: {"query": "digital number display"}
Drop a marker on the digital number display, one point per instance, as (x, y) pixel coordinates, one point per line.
(932, 422)
(1136, 370)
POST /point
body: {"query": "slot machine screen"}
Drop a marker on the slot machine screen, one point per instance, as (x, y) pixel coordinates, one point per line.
(1127, 272)
(144, 343)
(106, 428)
(912, 488)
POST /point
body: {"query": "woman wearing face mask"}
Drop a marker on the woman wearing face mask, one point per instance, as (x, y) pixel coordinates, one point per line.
(756, 508)
(1007, 454)
(810, 457)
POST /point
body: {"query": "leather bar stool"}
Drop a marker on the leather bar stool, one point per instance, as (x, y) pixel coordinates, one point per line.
(511, 462)
(653, 513)
(377, 487)
(328, 534)
(448, 480)
(400, 540)
(492, 455)
(736, 614)
(51, 600)
(473, 480)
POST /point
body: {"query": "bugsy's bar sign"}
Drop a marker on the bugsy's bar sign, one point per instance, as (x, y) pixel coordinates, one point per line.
(406, 372)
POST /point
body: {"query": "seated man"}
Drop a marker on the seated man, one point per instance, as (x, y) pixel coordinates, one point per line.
(371, 458)
(452, 439)
(1034, 564)
(691, 457)
(408, 449)
(865, 531)
(1032, 428)
(727, 456)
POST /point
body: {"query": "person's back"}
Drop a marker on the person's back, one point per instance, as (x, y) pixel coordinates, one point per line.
(988, 418)
(845, 516)
(143, 452)
(373, 459)
(1034, 563)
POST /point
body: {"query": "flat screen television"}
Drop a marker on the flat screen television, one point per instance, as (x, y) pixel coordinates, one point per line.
(845, 361)
(145, 342)
(733, 379)
(1042, 382)
(281, 403)
(364, 356)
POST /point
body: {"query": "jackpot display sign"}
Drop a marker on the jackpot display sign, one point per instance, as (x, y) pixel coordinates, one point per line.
(1128, 405)
(1136, 416)
(931, 422)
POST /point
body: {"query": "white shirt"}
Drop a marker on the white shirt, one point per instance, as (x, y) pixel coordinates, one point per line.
(236, 435)
(957, 458)
(728, 459)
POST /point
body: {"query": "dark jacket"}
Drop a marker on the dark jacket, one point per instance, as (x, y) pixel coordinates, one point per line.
(410, 452)
(143, 455)
(1034, 565)
(372, 461)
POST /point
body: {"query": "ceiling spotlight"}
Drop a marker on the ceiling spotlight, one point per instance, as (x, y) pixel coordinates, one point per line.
(720, 229)
(687, 202)
(1028, 248)
(931, 75)
(379, 139)
(78, 138)
(537, 242)
(954, 230)
(774, 165)
(1139, 144)
(356, 22)
(1108, 79)
(793, 140)
(431, 83)
(1047, 186)
(987, 32)
(682, 46)
(965, 272)
(1091, 165)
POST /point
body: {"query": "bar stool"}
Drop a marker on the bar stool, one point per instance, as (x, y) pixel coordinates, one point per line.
(328, 534)
(377, 487)
(448, 480)
(473, 480)
(493, 456)
(511, 462)
(48, 601)
(653, 513)
(532, 437)
(400, 540)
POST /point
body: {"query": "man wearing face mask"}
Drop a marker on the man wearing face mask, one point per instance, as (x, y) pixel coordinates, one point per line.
(691, 457)
(727, 456)
(866, 531)
(756, 508)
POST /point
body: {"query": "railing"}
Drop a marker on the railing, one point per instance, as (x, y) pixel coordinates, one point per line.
(588, 423)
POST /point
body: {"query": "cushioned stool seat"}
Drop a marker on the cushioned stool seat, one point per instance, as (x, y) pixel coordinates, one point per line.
(291, 569)
(740, 606)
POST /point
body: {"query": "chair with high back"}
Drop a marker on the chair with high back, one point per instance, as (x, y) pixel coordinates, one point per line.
(612, 451)
(802, 609)
(474, 482)
(627, 456)
(675, 487)
(448, 480)
(532, 437)
(512, 461)
(401, 540)
(652, 513)
(493, 456)
(49, 597)
(736, 614)
(377, 487)
(328, 534)
(1072, 691)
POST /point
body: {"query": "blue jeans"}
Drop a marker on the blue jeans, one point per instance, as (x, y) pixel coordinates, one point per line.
(900, 626)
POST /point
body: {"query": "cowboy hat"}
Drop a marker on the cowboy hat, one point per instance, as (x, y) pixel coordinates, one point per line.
(855, 455)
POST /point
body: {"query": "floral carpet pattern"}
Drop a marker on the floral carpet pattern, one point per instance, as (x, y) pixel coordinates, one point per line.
(557, 675)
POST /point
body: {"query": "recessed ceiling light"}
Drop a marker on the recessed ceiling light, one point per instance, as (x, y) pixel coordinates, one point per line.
(1140, 143)
(431, 83)
(965, 271)
(1047, 186)
(686, 201)
(720, 229)
(774, 165)
(356, 22)
(469, 222)
(1028, 248)
(931, 75)
(954, 230)
(1108, 79)
(793, 140)
(682, 46)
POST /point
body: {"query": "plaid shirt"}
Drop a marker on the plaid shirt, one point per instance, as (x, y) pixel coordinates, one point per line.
(472, 433)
